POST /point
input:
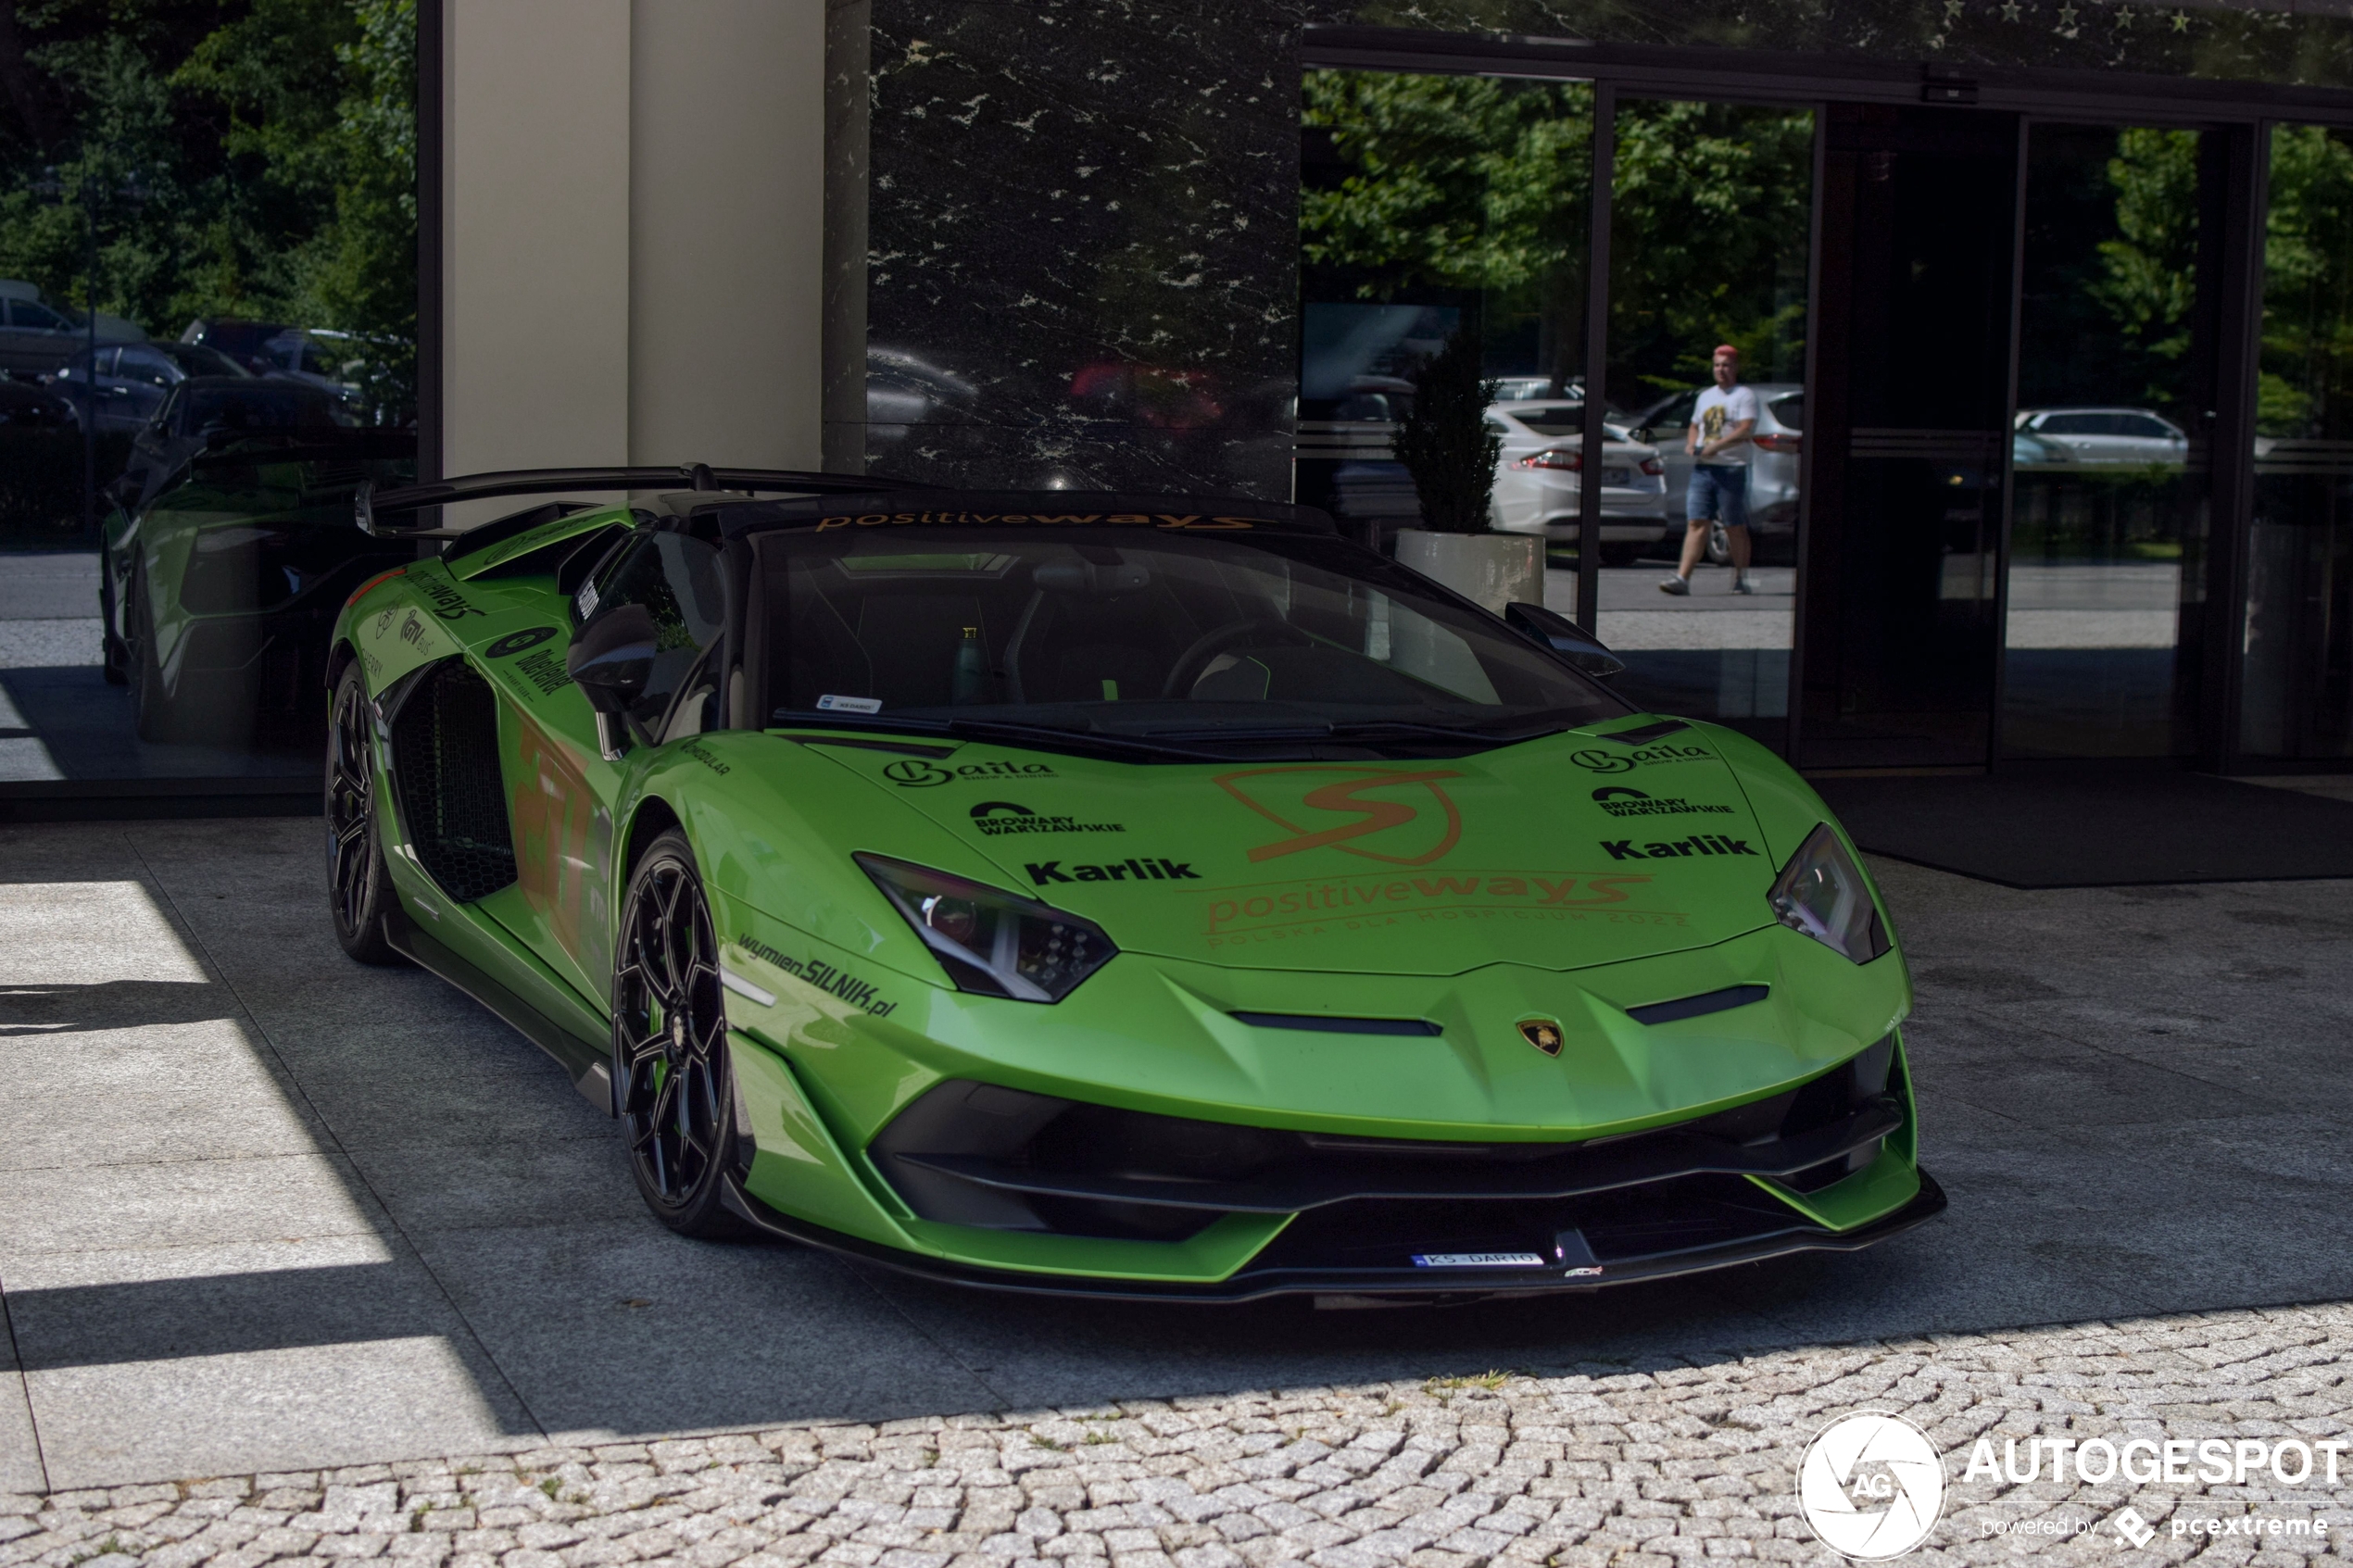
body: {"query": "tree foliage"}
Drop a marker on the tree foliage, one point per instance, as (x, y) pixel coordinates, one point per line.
(1445, 440)
(1476, 184)
(241, 158)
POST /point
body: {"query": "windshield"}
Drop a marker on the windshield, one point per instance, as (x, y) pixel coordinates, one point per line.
(1193, 638)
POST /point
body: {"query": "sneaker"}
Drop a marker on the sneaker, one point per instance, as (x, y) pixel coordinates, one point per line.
(1742, 585)
(1674, 585)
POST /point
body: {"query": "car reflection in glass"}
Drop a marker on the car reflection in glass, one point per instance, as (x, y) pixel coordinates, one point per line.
(2134, 437)
(1540, 476)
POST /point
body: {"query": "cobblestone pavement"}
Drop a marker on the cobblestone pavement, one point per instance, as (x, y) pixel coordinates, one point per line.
(1650, 1467)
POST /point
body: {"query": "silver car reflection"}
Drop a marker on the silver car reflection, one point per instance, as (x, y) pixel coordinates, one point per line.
(1538, 479)
(2134, 437)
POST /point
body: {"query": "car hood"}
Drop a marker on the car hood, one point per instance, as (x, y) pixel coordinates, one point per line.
(1576, 849)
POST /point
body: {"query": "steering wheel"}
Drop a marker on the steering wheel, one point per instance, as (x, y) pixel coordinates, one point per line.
(1209, 645)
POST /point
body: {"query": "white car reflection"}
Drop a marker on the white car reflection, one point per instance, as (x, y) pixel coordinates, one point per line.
(1538, 479)
(2129, 436)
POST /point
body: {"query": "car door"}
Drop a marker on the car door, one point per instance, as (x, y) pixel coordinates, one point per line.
(140, 381)
(36, 338)
(564, 791)
(1667, 430)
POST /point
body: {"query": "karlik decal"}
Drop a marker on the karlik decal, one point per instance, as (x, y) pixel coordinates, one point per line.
(515, 642)
(1542, 1032)
(1146, 870)
(917, 773)
(860, 994)
(999, 819)
(1408, 832)
(448, 604)
(1620, 801)
(1278, 910)
(1698, 844)
(1595, 761)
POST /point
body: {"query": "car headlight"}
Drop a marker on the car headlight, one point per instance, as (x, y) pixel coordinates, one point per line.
(991, 942)
(1821, 891)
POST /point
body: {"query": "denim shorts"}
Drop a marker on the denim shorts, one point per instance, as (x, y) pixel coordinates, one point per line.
(1718, 491)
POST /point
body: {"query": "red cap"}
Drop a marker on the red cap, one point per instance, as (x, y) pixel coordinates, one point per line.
(1726, 348)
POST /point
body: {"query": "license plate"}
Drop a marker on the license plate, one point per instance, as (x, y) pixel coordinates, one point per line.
(1477, 1261)
(1617, 476)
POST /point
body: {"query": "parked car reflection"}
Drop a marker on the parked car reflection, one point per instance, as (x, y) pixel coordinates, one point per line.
(134, 380)
(217, 593)
(24, 406)
(207, 412)
(2133, 436)
(1538, 479)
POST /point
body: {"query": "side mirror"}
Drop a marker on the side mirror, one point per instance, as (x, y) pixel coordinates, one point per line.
(1564, 637)
(612, 662)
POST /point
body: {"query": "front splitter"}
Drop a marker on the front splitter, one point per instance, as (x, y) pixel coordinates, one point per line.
(1246, 1284)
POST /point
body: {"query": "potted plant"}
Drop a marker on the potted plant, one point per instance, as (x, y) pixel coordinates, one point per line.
(1445, 445)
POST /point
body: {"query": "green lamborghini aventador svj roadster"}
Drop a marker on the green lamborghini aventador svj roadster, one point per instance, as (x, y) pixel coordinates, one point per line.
(1112, 894)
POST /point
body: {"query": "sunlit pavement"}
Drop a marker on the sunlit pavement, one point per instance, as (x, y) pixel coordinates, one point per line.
(265, 1209)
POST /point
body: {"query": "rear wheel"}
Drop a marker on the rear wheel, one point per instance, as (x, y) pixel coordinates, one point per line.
(1719, 547)
(672, 1084)
(358, 888)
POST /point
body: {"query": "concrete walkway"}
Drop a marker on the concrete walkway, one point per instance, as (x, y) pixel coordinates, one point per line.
(265, 1209)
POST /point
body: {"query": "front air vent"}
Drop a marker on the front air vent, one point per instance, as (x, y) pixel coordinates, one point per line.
(1323, 1023)
(1731, 996)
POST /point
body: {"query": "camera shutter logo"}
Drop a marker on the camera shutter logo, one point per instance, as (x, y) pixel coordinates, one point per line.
(1871, 1485)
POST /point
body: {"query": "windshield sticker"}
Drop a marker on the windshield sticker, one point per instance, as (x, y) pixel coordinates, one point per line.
(999, 819)
(515, 642)
(1411, 832)
(1146, 870)
(1116, 520)
(1620, 801)
(830, 703)
(860, 994)
(1277, 910)
(923, 775)
(1598, 761)
(586, 600)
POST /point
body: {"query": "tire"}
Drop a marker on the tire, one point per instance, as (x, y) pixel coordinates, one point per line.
(358, 888)
(151, 704)
(673, 1085)
(1719, 547)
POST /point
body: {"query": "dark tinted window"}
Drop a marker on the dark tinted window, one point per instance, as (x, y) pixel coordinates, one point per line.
(1790, 410)
(677, 581)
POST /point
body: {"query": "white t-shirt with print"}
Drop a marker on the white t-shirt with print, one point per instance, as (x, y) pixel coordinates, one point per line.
(1717, 412)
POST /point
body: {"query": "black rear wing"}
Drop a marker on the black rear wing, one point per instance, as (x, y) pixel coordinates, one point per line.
(371, 505)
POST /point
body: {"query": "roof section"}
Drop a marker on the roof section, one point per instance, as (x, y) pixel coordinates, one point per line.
(1040, 508)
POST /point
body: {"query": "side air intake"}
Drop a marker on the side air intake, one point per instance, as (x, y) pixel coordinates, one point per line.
(445, 769)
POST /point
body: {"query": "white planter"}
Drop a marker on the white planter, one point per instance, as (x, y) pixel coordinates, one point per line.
(1492, 569)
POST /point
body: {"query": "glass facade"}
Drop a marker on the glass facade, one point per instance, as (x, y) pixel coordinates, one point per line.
(2297, 701)
(208, 340)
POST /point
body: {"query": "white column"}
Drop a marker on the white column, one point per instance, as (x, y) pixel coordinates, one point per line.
(535, 237)
(633, 232)
(726, 225)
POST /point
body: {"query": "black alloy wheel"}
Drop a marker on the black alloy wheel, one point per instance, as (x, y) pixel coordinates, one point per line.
(359, 887)
(672, 1087)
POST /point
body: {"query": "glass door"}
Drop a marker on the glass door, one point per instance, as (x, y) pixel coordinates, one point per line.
(2104, 633)
(1710, 215)
(1908, 423)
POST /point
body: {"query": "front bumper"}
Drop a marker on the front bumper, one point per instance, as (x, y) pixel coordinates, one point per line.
(1278, 1270)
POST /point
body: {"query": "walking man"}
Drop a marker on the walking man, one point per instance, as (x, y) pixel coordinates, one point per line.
(1722, 422)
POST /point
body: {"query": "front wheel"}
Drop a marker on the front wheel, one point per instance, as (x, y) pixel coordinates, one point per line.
(358, 888)
(672, 1085)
